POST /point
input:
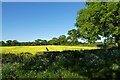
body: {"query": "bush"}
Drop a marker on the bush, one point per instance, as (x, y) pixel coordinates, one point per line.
(89, 64)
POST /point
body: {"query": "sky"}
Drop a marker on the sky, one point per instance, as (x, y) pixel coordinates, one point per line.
(28, 21)
(45, 0)
(0, 21)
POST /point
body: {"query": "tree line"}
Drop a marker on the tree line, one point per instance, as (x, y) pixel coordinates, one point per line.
(61, 40)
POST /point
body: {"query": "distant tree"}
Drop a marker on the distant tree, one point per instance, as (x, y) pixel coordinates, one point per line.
(38, 41)
(33, 44)
(73, 36)
(22, 44)
(99, 19)
(44, 42)
(9, 42)
(15, 43)
(54, 41)
(2, 43)
(62, 40)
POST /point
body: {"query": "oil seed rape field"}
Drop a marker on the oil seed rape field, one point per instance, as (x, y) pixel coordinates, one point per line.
(35, 49)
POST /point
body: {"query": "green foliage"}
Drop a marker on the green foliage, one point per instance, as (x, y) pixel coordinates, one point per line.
(38, 41)
(99, 19)
(86, 64)
(62, 40)
(73, 36)
(54, 41)
(9, 70)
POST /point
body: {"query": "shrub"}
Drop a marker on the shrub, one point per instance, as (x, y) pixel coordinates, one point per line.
(89, 64)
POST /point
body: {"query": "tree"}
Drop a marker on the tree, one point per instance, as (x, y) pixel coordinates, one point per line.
(99, 19)
(73, 36)
(38, 41)
(9, 42)
(2, 43)
(53, 41)
(44, 42)
(15, 43)
(62, 40)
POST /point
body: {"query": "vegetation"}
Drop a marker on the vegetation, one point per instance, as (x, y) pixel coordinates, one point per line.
(84, 64)
(61, 40)
(35, 49)
(97, 20)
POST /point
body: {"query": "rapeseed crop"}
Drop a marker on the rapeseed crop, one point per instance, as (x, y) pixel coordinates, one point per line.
(35, 49)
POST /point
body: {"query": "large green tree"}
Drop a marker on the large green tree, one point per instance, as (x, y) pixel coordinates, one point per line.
(99, 19)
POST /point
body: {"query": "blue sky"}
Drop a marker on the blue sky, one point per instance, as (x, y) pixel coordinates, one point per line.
(25, 21)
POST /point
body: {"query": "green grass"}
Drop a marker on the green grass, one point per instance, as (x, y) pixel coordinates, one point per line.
(35, 49)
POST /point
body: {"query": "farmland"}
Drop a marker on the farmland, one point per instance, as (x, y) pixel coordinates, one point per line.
(35, 49)
(91, 51)
(82, 62)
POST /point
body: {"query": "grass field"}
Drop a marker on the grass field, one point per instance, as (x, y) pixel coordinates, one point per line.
(35, 49)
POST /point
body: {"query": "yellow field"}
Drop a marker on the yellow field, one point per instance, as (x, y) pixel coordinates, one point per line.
(34, 49)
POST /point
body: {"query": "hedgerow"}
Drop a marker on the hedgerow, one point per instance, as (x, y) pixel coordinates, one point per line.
(84, 64)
